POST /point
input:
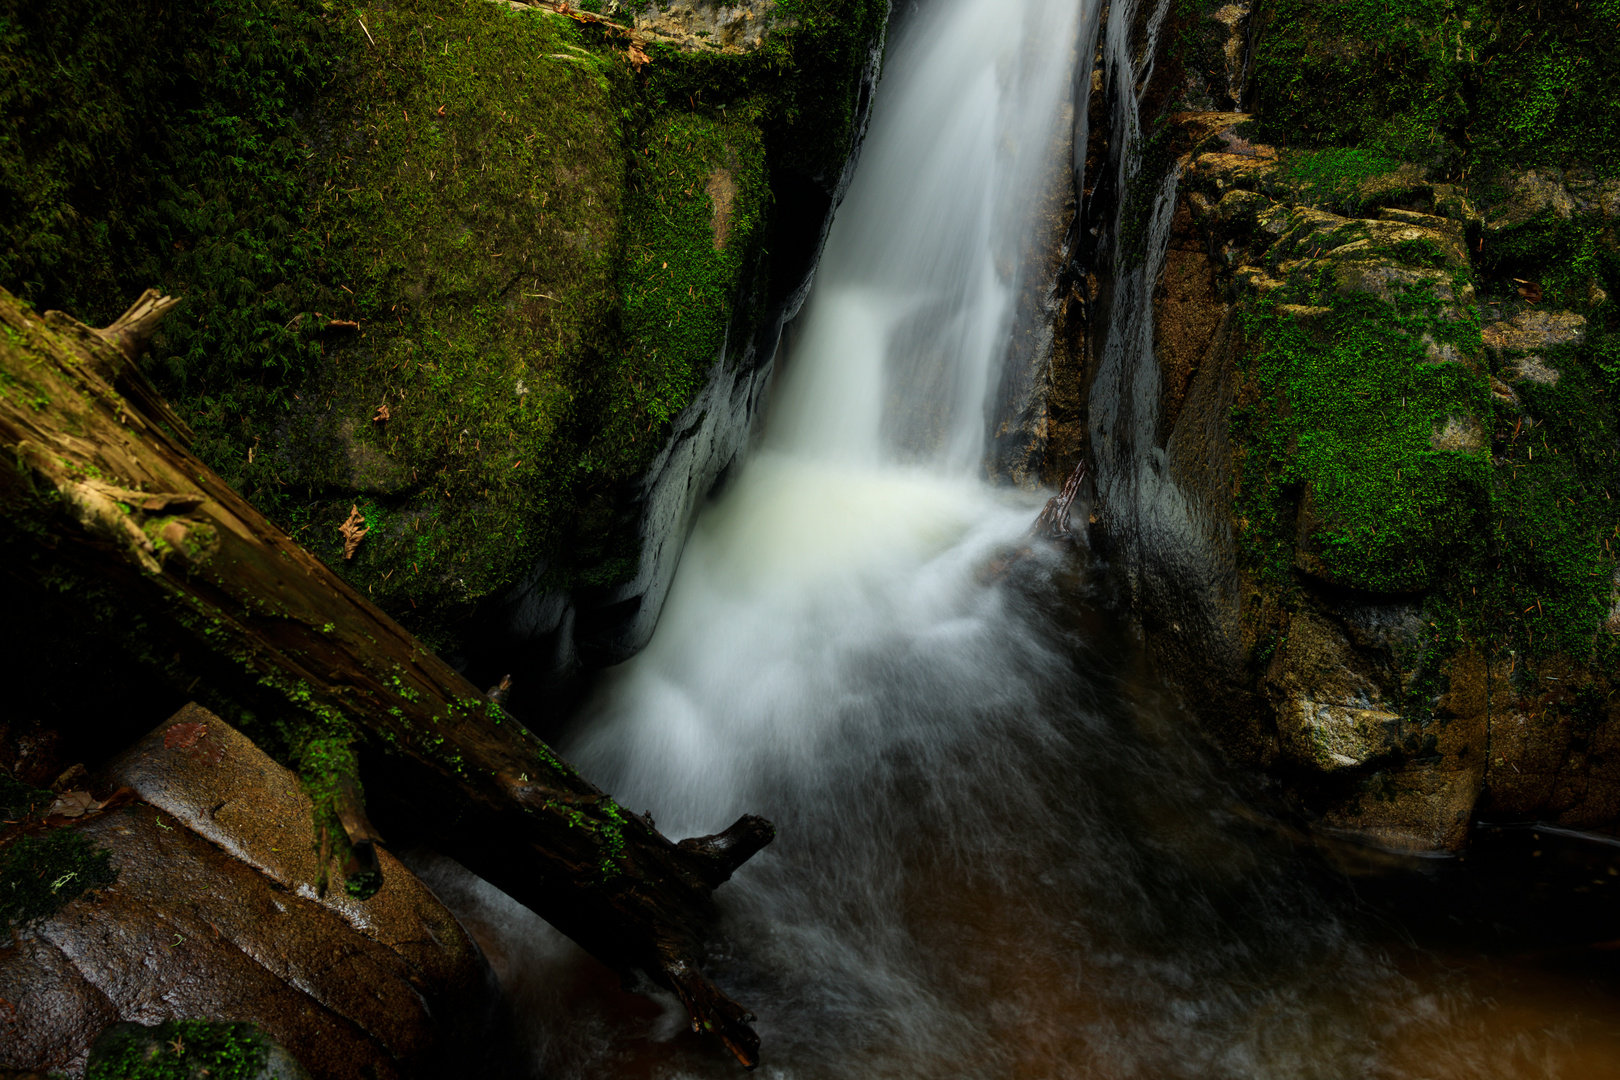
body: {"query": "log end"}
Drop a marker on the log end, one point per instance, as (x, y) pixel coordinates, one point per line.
(717, 857)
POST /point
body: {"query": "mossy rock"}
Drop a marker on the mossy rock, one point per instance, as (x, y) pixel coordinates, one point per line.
(1462, 83)
(544, 251)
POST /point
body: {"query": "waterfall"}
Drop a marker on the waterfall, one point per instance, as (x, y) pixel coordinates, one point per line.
(1000, 854)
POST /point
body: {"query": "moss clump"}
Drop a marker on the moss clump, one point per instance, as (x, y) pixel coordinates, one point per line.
(1556, 535)
(452, 176)
(185, 1050)
(1341, 415)
(1345, 179)
(18, 800)
(146, 143)
(1467, 83)
(39, 874)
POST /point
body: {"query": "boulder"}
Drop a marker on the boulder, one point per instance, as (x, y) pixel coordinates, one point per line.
(215, 914)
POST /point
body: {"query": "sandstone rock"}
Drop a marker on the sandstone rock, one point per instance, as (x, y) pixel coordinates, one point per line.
(1225, 170)
(1538, 191)
(1531, 369)
(213, 914)
(1612, 623)
(1460, 434)
(1534, 329)
(1334, 736)
(707, 24)
(1385, 281)
(1440, 352)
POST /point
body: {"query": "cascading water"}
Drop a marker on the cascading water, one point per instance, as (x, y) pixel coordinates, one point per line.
(997, 854)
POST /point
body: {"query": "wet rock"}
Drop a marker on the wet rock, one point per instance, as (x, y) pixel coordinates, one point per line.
(1534, 329)
(214, 913)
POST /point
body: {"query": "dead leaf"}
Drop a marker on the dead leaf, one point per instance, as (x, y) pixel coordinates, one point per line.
(342, 324)
(382, 413)
(637, 57)
(72, 804)
(353, 530)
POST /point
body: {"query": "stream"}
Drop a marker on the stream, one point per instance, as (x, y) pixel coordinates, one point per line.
(1002, 850)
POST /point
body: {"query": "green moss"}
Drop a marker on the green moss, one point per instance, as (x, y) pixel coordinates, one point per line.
(179, 1050)
(1335, 176)
(39, 874)
(467, 183)
(1556, 536)
(1459, 83)
(1343, 410)
(18, 800)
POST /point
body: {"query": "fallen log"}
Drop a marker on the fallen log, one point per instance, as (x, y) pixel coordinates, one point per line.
(99, 491)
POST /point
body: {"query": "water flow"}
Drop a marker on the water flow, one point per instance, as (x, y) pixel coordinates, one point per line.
(995, 857)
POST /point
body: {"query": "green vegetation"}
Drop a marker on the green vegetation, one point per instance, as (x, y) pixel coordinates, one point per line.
(39, 874)
(179, 1050)
(18, 800)
(520, 225)
(1340, 418)
(1459, 83)
(1349, 181)
(1556, 536)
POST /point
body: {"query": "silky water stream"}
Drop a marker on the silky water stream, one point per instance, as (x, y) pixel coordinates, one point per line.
(1000, 852)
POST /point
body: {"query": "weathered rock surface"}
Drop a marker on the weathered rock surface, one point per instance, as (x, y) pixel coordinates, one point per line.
(1388, 730)
(709, 24)
(1335, 508)
(214, 914)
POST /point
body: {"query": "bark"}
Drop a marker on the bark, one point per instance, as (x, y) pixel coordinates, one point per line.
(1053, 522)
(99, 486)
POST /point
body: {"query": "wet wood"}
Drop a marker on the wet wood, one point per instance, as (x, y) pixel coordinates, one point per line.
(98, 487)
(1053, 522)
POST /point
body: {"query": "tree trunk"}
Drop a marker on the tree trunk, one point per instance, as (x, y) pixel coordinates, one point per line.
(100, 493)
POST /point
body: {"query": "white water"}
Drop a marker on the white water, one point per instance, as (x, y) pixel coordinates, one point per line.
(996, 857)
(864, 521)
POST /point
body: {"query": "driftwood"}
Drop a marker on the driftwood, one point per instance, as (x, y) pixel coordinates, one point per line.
(1053, 522)
(98, 486)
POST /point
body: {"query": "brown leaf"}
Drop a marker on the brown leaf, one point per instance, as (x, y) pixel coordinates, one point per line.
(72, 804)
(382, 413)
(637, 57)
(353, 530)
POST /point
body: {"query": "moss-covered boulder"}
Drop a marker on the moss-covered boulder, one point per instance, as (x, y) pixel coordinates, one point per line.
(496, 278)
(1376, 539)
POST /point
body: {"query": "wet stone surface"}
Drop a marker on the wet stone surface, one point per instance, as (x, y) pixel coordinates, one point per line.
(213, 914)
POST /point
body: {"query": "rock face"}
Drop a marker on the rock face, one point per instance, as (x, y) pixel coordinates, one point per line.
(1357, 473)
(508, 290)
(214, 914)
(708, 25)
